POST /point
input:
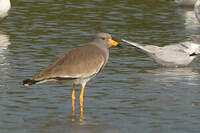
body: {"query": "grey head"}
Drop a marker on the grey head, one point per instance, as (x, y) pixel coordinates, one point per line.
(104, 39)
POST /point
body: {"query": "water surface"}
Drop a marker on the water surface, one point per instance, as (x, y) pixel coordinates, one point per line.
(132, 93)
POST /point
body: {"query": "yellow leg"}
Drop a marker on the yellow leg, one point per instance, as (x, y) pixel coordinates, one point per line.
(81, 118)
(73, 100)
(81, 99)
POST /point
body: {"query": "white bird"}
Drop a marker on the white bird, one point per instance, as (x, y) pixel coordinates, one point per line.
(173, 55)
(188, 3)
(4, 8)
(197, 9)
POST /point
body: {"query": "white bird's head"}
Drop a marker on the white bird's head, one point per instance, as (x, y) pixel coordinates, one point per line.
(192, 49)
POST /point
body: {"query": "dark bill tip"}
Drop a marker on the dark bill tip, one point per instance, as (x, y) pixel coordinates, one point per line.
(119, 45)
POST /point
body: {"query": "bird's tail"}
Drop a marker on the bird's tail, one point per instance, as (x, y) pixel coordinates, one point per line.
(29, 82)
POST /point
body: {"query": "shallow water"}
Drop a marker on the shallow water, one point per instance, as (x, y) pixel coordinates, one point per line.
(132, 93)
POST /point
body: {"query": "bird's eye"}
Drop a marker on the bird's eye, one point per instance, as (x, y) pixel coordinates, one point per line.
(103, 38)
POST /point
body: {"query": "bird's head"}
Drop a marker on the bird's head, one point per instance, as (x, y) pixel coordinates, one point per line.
(192, 49)
(105, 39)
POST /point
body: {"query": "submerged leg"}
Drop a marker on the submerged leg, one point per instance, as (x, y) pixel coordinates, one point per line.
(73, 100)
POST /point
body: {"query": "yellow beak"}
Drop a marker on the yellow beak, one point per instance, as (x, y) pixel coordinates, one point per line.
(112, 42)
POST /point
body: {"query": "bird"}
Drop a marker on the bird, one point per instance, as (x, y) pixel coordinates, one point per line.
(174, 55)
(78, 65)
(4, 8)
(197, 10)
(187, 3)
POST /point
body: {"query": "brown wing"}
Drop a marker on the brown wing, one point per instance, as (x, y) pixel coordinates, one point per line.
(80, 62)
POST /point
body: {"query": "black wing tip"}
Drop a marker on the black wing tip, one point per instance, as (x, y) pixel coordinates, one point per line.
(28, 82)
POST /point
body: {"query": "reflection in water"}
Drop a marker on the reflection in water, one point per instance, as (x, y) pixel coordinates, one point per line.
(4, 42)
(176, 74)
(79, 120)
(75, 127)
